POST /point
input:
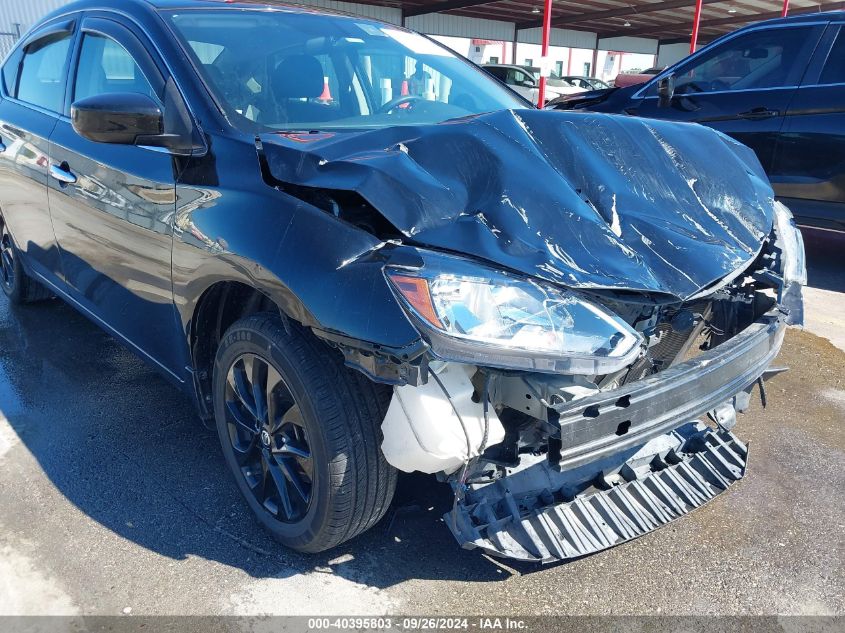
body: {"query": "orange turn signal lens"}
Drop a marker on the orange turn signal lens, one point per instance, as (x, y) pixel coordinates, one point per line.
(416, 292)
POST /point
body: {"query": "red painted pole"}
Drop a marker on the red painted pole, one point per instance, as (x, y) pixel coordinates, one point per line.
(695, 23)
(544, 53)
(785, 8)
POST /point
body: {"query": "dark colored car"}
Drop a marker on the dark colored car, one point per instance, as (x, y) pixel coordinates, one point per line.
(360, 254)
(776, 86)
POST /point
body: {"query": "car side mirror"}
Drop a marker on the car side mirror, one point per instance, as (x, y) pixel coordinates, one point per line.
(122, 118)
(665, 90)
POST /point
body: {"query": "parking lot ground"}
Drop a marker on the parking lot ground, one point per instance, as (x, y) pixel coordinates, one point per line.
(114, 499)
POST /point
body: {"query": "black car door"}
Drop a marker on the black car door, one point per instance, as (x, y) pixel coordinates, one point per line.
(33, 96)
(809, 169)
(112, 205)
(742, 86)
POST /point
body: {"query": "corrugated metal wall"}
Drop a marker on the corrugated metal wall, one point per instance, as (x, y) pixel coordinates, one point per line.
(16, 16)
(671, 53)
(386, 14)
(629, 45)
(460, 26)
(559, 37)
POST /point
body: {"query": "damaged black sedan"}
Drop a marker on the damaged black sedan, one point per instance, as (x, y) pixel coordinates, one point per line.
(361, 255)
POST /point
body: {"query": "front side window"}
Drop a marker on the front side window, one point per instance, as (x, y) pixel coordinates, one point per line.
(41, 80)
(519, 78)
(105, 67)
(279, 70)
(834, 67)
(756, 60)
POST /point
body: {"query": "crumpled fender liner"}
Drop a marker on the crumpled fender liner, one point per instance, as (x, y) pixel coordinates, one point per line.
(657, 489)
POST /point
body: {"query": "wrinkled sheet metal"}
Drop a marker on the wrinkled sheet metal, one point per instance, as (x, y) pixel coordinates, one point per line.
(581, 199)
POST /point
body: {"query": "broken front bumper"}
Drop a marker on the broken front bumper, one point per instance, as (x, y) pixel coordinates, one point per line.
(619, 419)
(630, 459)
(670, 477)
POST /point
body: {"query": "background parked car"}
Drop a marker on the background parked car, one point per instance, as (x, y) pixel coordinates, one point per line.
(586, 83)
(555, 82)
(778, 87)
(522, 80)
(633, 79)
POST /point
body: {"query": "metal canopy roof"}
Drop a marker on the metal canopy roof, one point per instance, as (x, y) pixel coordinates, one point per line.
(657, 19)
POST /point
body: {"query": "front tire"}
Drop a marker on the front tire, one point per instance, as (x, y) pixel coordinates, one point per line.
(301, 434)
(19, 287)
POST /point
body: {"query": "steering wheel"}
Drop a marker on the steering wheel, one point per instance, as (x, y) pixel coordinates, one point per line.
(398, 101)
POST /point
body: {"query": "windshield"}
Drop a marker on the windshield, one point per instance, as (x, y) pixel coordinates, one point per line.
(281, 70)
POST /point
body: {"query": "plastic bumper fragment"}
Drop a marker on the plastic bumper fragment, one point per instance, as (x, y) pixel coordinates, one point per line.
(656, 488)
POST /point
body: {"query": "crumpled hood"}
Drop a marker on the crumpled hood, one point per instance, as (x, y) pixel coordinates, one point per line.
(581, 199)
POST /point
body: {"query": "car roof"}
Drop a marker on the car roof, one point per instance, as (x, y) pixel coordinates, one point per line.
(157, 5)
(226, 4)
(804, 17)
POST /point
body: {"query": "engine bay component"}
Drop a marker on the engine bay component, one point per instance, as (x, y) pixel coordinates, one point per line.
(438, 426)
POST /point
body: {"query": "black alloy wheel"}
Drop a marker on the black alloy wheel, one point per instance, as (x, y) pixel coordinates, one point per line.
(268, 437)
(301, 433)
(16, 284)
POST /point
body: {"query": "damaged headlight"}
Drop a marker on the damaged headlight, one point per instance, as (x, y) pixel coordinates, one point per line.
(476, 315)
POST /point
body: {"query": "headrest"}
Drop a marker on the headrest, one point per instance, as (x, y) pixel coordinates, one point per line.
(297, 77)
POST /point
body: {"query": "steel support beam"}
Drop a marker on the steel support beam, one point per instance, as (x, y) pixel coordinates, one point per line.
(594, 16)
(696, 23)
(544, 53)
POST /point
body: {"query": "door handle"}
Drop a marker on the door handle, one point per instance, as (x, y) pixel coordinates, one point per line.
(758, 113)
(63, 174)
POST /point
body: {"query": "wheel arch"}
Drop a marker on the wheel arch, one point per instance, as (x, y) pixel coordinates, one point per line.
(219, 306)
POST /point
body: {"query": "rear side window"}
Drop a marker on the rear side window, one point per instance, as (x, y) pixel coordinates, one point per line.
(42, 76)
(105, 67)
(834, 68)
